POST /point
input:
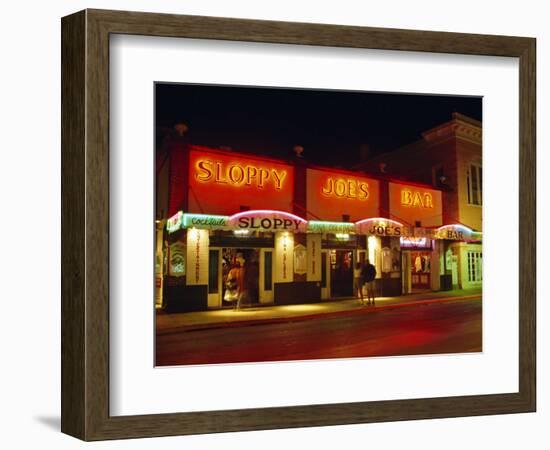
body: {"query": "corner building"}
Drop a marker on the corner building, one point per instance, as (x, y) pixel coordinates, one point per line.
(289, 231)
(448, 157)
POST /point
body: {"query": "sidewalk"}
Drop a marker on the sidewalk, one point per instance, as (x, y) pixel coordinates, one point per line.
(189, 321)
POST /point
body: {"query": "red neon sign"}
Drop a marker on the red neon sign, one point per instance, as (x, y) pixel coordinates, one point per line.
(413, 204)
(238, 174)
(416, 198)
(331, 195)
(346, 188)
(222, 183)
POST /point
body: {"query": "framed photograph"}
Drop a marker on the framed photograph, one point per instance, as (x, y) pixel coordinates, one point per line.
(267, 224)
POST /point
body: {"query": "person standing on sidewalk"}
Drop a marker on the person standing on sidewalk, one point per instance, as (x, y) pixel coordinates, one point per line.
(369, 275)
(358, 282)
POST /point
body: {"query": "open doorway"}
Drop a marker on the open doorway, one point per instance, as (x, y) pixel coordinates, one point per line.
(341, 273)
(420, 266)
(240, 274)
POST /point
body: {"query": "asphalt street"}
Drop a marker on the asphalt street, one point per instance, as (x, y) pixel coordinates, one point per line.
(452, 327)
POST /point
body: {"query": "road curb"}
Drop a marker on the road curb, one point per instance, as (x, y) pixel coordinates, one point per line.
(274, 320)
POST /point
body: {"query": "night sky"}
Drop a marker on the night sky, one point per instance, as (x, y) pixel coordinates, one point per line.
(330, 125)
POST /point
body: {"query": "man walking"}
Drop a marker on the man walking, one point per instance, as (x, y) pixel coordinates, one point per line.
(358, 282)
(369, 275)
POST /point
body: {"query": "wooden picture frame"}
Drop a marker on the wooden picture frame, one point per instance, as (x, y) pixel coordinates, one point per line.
(85, 224)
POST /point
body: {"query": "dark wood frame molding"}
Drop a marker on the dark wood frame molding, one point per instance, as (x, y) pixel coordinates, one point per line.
(85, 224)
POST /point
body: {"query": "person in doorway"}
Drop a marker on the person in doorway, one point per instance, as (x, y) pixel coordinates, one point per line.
(240, 275)
(231, 287)
(358, 282)
(418, 264)
(369, 275)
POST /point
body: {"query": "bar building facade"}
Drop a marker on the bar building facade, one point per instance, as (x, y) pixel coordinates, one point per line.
(451, 156)
(291, 231)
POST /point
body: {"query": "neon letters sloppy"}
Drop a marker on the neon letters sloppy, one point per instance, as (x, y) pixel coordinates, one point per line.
(239, 175)
(268, 223)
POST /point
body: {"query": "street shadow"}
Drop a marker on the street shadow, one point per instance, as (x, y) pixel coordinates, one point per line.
(52, 422)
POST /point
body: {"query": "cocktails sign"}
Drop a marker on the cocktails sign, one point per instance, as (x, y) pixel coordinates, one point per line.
(206, 221)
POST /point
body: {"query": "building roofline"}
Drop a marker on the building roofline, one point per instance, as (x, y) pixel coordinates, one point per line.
(432, 135)
(457, 119)
(308, 165)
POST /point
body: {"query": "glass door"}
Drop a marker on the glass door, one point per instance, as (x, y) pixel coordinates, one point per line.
(341, 273)
(214, 278)
(266, 276)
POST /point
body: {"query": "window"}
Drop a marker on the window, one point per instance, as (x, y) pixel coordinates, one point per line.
(268, 271)
(324, 270)
(475, 267)
(176, 266)
(475, 184)
(213, 271)
(438, 177)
